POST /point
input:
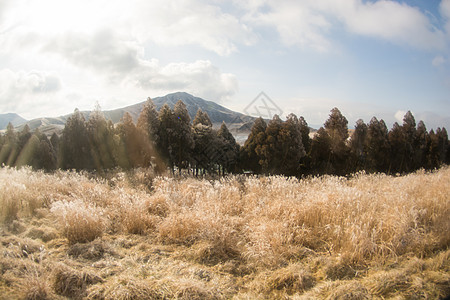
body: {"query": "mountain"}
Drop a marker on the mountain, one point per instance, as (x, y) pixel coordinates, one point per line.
(15, 119)
(236, 122)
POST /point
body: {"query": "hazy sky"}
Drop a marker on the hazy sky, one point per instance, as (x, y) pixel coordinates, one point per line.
(367, 58)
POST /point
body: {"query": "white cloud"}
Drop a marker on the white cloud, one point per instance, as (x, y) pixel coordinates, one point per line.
(399, 116)
(389, 20)
(438, 61)
(18, 88)
(308, 23)
(297, 22)
(122, 62)
(445, 12)
(190, 22)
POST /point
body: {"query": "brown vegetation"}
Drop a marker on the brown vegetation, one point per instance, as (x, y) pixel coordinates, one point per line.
(67, 235)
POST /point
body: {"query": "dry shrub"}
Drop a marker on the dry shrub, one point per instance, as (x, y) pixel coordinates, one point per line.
(81, 222)
(35, 287)
(195, 290)
(210, 253)
(180, 228)
(72, 283)
(44, 233)
(291, 279)
(136, 219)
(388, 283)
(337, 290)
(94, 250)
(340, 269)
(128, 288)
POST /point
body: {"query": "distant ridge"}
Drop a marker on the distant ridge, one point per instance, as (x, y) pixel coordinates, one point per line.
(15, 119)
(216, 112)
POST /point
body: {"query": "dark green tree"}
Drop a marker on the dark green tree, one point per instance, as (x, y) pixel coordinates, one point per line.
(250, 154)
(421, 146)
(377, 146)
(133, 146)
(357, 146)
(205, 153)
(101, 138)
(183, 141)
(398, 146)
(321, 153)
(8, 152)
(409, 133)
(166, 136)
(228, 150)
(148, 122)
(336, 127)
(75, 146)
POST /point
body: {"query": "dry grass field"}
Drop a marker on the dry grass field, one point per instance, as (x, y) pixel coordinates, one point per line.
(133, 236)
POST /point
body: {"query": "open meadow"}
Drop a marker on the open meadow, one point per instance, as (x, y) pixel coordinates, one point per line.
(67, 235)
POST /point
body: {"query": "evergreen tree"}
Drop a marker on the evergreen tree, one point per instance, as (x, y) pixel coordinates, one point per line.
(133, 144)
(8, 152)
(357, 146)
(433, 153)
(183, 141)
(75, 146)
(377, 146)
(205, 154)
(292, 150)
(148, 122)
(409, 134)
(45, 155)
(166, 135)
(421, 146)
(271, 149)
(201, 118)
(251, 158)
(228, 149)
(399, 146)
(28, 152)
(55, 141)
(305, 161)
(321, 152)
(336, 127)
(101, 134)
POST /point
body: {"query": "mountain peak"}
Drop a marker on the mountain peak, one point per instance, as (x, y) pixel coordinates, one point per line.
(14, 118)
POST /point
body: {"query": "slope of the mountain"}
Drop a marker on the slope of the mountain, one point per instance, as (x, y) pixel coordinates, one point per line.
(15, 119)
(216, 112)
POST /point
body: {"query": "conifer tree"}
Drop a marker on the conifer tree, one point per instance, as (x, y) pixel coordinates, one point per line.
(321, 152)
(148, 121)
(205, 153)
(8, 152)
(183, 141)
(133, 144)
(409, 134)
(336, 127)
(228, 149)
(166, 135)
(101, 135)
(398, 146)
(75, 146)
(357, 146)
(251, 158)
(377, 146)
(421, 146)
(292, 150)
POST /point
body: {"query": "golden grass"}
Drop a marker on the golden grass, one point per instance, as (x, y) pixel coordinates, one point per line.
(133, 236)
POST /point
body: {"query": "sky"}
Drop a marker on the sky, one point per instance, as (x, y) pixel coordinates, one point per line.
(368, 58)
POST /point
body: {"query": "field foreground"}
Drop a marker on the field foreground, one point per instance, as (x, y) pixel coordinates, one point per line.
(133, 236)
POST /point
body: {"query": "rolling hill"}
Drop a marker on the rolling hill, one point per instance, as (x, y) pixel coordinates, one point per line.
(238, 123)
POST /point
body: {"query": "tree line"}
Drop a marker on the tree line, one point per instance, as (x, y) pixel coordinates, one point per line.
(168, 140)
